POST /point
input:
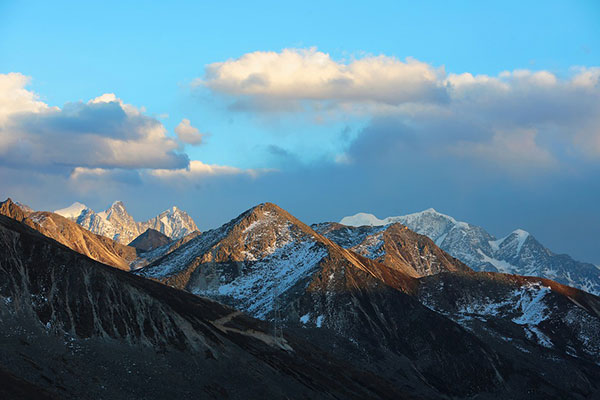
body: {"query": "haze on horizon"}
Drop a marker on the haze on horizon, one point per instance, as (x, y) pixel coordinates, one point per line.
(489, 113)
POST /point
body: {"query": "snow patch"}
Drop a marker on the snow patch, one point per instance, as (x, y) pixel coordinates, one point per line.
(73, 211)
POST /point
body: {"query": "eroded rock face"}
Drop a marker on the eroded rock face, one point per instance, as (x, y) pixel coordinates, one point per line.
(80, 329)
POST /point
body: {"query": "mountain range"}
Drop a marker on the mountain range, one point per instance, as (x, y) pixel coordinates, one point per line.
(117, 224)
(295, 311)
(517, 253)
(491, 334)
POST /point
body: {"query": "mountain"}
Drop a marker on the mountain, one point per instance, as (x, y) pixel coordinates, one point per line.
(75, 328)
(376, 316)
(72, 235)
(174, 223)
(117, 224)
(517, 253)
(393, 245)
(150, 256)
(150, 240)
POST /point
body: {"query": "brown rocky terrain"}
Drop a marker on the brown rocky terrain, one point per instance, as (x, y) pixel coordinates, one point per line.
(75, 237)
(395, 246)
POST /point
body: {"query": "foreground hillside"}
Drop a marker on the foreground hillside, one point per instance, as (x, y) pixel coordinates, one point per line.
(74, 328)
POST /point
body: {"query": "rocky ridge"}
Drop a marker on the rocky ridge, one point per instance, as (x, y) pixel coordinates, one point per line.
(116, 223)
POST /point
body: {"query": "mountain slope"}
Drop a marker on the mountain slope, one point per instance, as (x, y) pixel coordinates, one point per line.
(73, 236)
(116, 223)
(518, 253)
(393, 245)
(150, 240)
(80, 329)
(273, 266)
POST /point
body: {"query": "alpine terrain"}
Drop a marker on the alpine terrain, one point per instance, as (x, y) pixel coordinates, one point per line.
(116, 223)
(380, 304)
(517, 253)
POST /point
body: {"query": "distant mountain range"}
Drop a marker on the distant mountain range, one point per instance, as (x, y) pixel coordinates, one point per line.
(117, 224)
(517, 253)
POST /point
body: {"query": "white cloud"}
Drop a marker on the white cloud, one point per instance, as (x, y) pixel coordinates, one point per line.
(268, 78)
(102, 133)
(14, 98)
(198, 170)
(561, 110)
(187, 133)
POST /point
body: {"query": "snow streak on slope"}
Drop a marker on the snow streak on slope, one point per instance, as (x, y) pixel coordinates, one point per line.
(258, 283)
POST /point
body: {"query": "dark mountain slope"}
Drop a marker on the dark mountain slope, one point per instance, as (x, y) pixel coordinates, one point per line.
(84, 330)
(150, 240)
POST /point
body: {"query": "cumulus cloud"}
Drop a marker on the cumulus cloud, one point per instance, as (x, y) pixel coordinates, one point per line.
(269, 79)
(102, 133)
(187, 133)
(14, 98)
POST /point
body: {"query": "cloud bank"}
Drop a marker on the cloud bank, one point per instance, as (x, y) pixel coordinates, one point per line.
(522, 118)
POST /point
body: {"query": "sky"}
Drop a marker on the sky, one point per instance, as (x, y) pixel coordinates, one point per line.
(489, 112)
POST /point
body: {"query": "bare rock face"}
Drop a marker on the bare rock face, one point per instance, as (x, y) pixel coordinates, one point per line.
(395, 246)
(73, 236)
(12, 210)
(73, 328)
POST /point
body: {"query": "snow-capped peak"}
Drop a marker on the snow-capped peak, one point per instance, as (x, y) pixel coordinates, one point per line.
(361, 219)
(73, 211)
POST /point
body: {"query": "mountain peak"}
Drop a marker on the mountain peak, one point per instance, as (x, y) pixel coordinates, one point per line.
(117, 204)
(73, 211)
(363, 219)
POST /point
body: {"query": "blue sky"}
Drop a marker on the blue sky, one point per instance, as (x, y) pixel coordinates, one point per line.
(520, 149)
